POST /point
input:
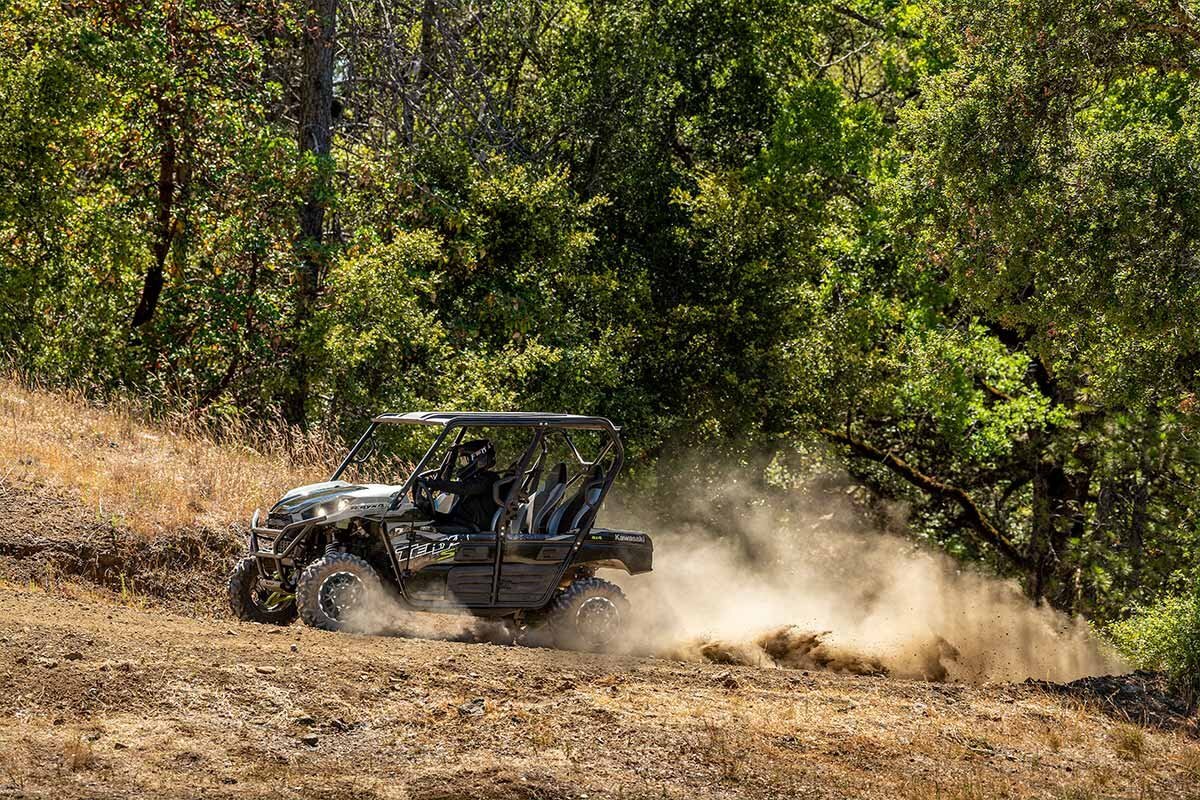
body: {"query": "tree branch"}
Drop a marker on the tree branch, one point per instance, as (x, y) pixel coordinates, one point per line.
(993, 391)
(871, 23)
(1186, 20)
(971, 513)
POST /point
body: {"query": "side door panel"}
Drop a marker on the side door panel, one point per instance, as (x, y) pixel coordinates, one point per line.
(447, 571)
(531, 566)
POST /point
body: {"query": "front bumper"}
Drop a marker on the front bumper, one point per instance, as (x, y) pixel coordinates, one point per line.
(274, 549)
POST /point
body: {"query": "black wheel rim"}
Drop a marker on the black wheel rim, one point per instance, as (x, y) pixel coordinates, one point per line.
(598, 620)
(339, 594)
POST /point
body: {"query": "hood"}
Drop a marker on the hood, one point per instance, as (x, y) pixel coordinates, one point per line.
(322, 499)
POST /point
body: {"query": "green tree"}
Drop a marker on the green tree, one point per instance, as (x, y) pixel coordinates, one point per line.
(1045, 196)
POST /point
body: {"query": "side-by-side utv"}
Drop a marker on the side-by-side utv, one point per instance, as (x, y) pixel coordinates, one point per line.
(461, 534)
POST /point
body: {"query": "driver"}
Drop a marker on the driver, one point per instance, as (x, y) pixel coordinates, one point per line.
(472, 485)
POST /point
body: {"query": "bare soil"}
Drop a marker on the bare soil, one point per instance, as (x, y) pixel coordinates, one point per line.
(103, 700)
(120, 677)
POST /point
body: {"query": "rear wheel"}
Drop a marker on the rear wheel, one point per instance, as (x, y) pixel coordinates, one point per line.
(253, 602)
(590, 614)
(339, 592)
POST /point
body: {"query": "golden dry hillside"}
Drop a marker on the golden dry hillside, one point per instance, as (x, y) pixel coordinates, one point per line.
(147, 478)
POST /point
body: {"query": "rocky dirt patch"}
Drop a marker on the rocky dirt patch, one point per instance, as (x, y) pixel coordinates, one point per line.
(1141, 697)
(109, 701)
(47, 535)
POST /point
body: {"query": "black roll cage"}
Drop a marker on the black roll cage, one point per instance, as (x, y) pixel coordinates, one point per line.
(539, 423)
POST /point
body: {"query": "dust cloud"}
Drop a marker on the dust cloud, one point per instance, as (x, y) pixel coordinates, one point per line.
(806, 580)
(807, 583)
(380, 612)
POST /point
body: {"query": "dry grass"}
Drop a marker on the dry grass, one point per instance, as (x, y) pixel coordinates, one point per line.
(77, 753)
(979, 784)
(1189, 759)
(976, 785)
(153, 691)
(10, 766)
(1077, 793)
(149, 477)
(1129, 742)
(717, 747)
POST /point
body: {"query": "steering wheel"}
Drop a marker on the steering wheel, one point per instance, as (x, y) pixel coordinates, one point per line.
(422, 495)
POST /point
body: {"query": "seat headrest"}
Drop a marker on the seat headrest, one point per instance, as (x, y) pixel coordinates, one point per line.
(596, 475)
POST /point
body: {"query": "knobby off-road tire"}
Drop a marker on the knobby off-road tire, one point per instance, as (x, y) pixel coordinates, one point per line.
(251, 602)
(339, 592)
(590, 614)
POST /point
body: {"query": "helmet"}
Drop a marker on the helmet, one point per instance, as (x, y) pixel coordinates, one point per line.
(474, 457)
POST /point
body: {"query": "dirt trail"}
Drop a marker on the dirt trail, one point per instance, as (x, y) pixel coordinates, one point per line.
(118, 680)
(103, 700)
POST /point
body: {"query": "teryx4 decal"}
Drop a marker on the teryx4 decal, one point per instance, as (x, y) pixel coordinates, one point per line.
(422, 553)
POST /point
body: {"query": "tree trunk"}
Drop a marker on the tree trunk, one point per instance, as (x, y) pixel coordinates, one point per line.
(1139, 510)
(1041, 528)
(316, 122)
(414, 99)
(164, 226)
(1059, 502)
(1081, 489)
(1138, 517)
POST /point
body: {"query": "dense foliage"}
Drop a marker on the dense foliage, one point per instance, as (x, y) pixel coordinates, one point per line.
(950, 247)
(1165, 636)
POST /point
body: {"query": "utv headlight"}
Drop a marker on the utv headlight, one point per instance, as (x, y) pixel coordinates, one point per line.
(328, 509)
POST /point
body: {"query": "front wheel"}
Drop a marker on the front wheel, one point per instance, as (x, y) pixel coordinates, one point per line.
(252, 602)
(340, 592)
(590, 614)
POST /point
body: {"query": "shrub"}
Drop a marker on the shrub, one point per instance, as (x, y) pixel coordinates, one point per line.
(1165, 636)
